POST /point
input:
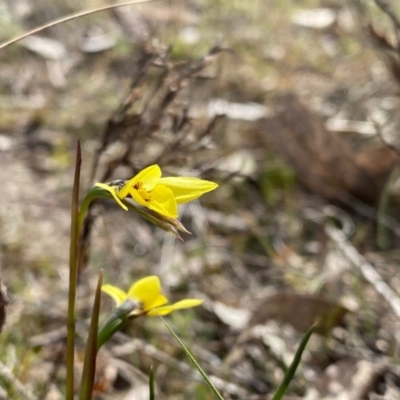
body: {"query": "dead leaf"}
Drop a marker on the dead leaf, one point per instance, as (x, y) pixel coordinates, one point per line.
(300, 311)
(322, 160)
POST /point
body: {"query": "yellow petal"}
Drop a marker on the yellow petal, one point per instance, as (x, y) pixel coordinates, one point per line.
(148, 177)
(160, 300)
(186, 188)
(118, 295)
(160, 311)
(163, 201)
(113, 193)
(148, 291)
(187, 303)
(138, 198)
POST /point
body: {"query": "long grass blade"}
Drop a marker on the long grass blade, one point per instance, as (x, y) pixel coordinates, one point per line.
(293, 366)
(152, 394)
(195, 363)
(89, 366)
(69, 18)
(73, 276)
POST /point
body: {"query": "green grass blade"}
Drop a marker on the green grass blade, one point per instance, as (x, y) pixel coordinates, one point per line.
(293, 366)
(152, 394)
(195, 363)
(89, 366)
(73, 277)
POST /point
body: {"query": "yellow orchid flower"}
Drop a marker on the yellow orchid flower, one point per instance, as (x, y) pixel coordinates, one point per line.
(147, 293)
(161, 195)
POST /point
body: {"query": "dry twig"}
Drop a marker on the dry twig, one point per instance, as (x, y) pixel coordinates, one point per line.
(367, 270)
(68, 18)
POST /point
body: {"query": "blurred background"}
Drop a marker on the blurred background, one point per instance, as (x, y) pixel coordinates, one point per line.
(292, 107)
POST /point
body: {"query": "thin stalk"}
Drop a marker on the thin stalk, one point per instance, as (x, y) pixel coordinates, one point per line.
(193, 360)
(152, 394)
(73, 277)
(68, 18)
(89, 366)
(293, 366)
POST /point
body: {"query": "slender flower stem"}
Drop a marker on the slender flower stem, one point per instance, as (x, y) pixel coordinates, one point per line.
(89, 365)
(73, 277)
(90, 196)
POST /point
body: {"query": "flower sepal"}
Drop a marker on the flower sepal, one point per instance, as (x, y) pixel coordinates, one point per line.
(170, 225)
(116, 320)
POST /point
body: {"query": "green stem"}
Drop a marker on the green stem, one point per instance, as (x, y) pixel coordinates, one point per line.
(73, 277)
(152, 393)
(90, 196)
(293, 366)
(77, 218)
(89, 365)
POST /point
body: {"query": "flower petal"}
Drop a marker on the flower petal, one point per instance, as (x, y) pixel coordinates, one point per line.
(187, 303)
(148, 291)
(186, 188)
(148, 177)
(162, 201)
(113, 193)
(118, 295)
(160, 300)
(135, 194)
(160, 311)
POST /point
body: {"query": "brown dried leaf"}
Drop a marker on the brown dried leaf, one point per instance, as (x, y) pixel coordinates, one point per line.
(322, 160)
(300, 311)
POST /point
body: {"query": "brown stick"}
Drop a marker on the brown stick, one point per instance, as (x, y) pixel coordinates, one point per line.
(69, 18)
